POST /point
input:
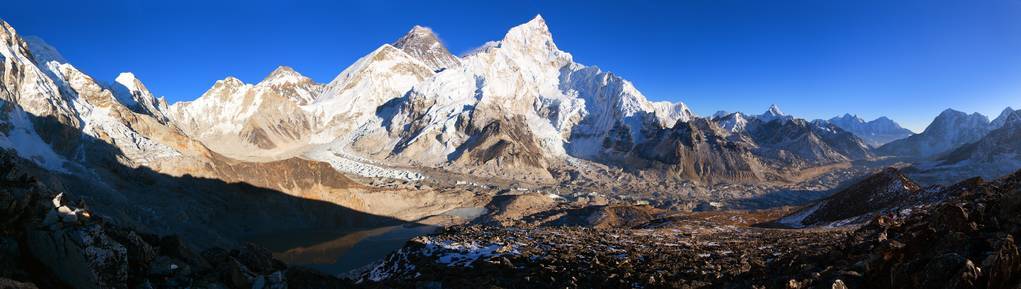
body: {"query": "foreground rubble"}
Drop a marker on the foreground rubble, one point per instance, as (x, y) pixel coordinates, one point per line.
(965, 241)
(48, 241)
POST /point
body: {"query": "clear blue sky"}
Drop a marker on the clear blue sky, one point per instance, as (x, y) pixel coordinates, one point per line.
(905, 59)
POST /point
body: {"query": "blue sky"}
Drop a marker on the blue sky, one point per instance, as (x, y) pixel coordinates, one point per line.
(908, 60)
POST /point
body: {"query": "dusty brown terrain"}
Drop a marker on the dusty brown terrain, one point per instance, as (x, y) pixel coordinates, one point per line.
(963, 241)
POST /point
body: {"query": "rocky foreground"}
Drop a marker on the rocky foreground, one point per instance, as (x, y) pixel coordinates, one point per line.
(964, 241)
(50, 241)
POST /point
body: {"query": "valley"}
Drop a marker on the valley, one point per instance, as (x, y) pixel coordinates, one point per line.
(511, 166)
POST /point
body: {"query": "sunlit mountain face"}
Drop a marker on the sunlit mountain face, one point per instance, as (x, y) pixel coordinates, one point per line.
(509, 166)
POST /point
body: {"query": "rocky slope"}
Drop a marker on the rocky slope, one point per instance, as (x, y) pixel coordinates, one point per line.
(948, 131)
(875, 133)
(963, 241)
(999, 121)
(264, 121)
(518, 108)
(424, 45)
(52, 240)
(520, 104)
(117, 146)
(884, 192)
(994, 154)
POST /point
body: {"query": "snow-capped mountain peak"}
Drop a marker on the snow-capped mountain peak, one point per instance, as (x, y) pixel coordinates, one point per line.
(850, 118)
(129, 91)
(669, 112)
(949, 130)
(1012, 120)
(284, 75)
(876, 132)
(1002, 119)
(950, 119)
(533, 36)
(773, 113)
(129, 81)
(774, 110)
(733, 123)
(422, 43)
(43, 52)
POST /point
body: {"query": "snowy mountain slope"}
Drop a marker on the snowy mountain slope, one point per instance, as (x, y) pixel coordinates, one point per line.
(949, 130)
(701, 150)
(782, 139)
(1002, 119)
(148, 173)
(424, 45)
(18, 133)
(733, 122)
(352, 97)
(797, 141)
(773, 113)
(521, 83)
(519, 106)
(876, 132)
(68, 108)
(887, 190)
(264, 121)
(995, 154)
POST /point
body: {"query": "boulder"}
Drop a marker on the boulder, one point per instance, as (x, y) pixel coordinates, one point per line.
(258, 259)
(11, 284)
(79, 252)
(1003, 266)
(175, 247)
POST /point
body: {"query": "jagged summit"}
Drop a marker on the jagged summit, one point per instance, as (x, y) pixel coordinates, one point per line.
(128, 80)
(952, 128)
(42, 51)
(875, 133)
(774, 110)
(1000, 120)
(773, 113)
(422, 43)
(284, 75)
(230, 81)
(533, 36)
(130, 92)
(850, 117)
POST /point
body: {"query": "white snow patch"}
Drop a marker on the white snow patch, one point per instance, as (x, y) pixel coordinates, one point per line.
(24, 140)
(796, 220)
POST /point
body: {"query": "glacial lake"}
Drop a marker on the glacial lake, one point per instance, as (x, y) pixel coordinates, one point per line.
(339, 251)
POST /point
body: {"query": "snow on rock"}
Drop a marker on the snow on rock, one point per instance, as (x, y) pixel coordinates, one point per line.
(796, 220)
(18, 133)
(774, 113)
(999, 121)
(949, 130)
(343, 163)
(733, 123)
(422, 43)
(453, 254)
(876, 132)
(130, 92)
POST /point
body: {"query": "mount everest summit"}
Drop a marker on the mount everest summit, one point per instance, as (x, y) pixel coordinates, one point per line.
(517, 110)
(518, 104)
(512, 134)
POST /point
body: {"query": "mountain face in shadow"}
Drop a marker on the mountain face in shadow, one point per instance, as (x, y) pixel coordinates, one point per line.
(207, 211)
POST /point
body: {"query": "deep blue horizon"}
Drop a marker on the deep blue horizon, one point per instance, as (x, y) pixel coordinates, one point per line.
(907, 60)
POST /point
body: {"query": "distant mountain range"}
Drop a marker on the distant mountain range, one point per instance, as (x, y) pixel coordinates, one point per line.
(518, 110)
(876, 132)
(411, 133)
